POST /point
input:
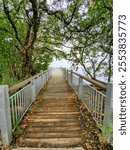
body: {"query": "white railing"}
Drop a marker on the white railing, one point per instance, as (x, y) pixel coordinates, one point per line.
(19, 104)
(97, 96)
(14, 107)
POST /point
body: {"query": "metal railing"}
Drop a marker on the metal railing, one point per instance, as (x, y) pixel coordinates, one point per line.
(14, 107)
(19, 104)
(96, 95)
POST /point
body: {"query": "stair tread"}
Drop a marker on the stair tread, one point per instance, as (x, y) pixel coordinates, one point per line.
(59, 141)
(54, 129)
(51, 120)
(53, 134)
(60, 115)
(27, 148)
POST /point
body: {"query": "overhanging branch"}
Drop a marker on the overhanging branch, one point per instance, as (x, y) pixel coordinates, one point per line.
(7, 13)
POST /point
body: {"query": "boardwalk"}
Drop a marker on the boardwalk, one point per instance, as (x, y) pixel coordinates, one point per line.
(54, 121)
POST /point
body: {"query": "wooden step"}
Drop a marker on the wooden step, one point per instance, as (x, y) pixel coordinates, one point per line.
(61, 104)
(71, 109)
(56, 142)
(57, 113)
(58, 96)
(54, 116)
(48, 135)
(54, 124)
(59, 90)
(47, 113)
(61, 100)
(50, 120)
(53, 129)
(54, 110)
(56, 106)
(72, 148)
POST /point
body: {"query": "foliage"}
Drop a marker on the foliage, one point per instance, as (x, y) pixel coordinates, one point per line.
(85, 27)
(17, 131)
(32, 33)
(107, 133)
(9, 81)
(18, 32)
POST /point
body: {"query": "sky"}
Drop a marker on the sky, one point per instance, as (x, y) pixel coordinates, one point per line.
(60, 63)
(66, 64)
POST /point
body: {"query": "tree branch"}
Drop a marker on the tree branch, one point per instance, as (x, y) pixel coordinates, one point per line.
(32, 30)
(82, 64)
(100, 63)
(106, 49)
(5, 30)
(7, 13)
(59, 14)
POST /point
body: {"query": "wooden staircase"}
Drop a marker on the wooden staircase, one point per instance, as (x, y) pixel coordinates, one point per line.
(54, 119)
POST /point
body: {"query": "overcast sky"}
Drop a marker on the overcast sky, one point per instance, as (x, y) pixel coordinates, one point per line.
(66, 64)
(60, 63)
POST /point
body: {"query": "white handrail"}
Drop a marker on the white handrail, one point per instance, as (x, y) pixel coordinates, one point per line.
(14, 107)
(97, 102)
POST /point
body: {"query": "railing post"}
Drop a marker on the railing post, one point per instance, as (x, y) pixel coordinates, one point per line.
(71, 77)
(42, 80)
(46, 76)
(108, 104)
(80, 89)
(33, 90)
(67, 73)
(5, 116)
(50, 71)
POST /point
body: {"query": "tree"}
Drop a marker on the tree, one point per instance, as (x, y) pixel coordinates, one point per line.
(20, 24)
(34, 31)
(86, 26)
(25, 16)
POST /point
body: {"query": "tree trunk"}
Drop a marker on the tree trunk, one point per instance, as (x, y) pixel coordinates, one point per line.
(27, 63)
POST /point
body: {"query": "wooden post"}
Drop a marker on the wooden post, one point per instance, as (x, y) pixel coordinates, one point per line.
(108, 105)
(5, 116)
